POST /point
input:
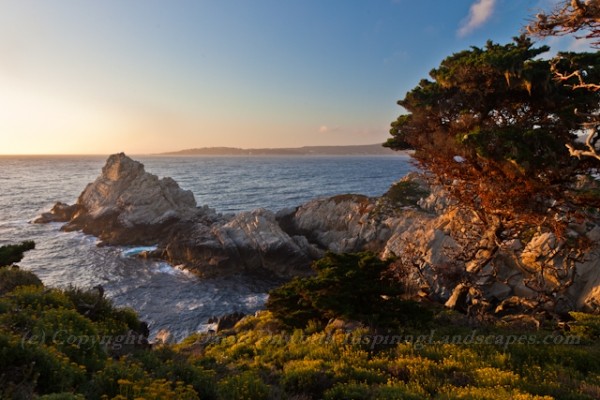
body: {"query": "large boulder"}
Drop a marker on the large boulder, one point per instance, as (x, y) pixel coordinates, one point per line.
(249, 241)
(343, 223)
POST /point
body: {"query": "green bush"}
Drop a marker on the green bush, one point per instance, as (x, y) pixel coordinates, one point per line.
(347, 286)
(165, 363)
(244, 386)
(40, 299)
(586, 325)
(27, 365)
(306, 377)
(106, 381)
(96, 307)
(405, 193)
(13, 253)
(397, 391)
(73, 335)
(349, 391)
(12, 278)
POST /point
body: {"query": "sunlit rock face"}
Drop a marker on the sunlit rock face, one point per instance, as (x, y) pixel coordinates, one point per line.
(137, 196)
(126, 205)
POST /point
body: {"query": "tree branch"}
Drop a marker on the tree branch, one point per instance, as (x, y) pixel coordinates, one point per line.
(592, 128)
(562, 77)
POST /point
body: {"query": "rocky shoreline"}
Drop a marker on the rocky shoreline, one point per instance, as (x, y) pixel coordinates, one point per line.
(443, 251)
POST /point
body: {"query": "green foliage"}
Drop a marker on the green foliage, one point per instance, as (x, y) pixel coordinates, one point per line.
(11, 278)
(346, 391)
(28, 366)
(261, 359)
(586, 325)
(99, 309)
(348, 286)
(245, 386)
(306, 377)
(73, 335)
(13, 253)
(499, 109)
(164, 362)
(405, 193)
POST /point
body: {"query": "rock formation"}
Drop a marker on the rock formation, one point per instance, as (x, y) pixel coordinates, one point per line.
(127, 205)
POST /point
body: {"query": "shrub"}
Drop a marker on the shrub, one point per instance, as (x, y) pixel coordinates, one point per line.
(244, 386)
(166, 363)
(12, 278)
(586, 325)
(93, 305)
(28, 365)
(73, 335)
(307, 377)
(13, 253)
(348, 391)
(405, 193)
(348, 286)
(397, 391)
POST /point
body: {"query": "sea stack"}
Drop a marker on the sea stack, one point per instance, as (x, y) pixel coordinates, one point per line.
(126, 205)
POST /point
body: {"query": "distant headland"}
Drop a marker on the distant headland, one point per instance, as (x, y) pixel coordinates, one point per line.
(367, 150)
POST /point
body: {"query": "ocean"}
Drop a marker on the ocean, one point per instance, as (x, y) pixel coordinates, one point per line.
(165, 296)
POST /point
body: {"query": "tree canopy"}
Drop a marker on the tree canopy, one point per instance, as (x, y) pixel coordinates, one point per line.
(492, 125)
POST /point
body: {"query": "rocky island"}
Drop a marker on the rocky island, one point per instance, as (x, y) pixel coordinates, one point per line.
(445, 252)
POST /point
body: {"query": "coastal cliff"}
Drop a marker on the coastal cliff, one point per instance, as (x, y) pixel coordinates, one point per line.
(443, 251)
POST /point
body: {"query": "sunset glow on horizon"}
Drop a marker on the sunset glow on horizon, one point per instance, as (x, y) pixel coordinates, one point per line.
(152, 76)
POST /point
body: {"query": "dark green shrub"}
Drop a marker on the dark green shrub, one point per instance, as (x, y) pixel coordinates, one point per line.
(106, 381)
(306, 378)
(244, 386)
(96, 307)
(347, 286)
(348, 391)
(39, 298)
(405, 193)
(586, 326)
(73, 335)
(166, 363)
(396, 392)
(13, 253)
(29, 364)
(11, 278)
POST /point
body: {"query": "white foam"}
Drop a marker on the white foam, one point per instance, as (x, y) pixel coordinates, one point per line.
(134, 251)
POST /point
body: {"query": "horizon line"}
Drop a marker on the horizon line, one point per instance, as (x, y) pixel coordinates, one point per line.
(175, 151)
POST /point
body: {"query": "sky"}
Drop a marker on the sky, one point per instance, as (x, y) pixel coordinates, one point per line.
(146, 76)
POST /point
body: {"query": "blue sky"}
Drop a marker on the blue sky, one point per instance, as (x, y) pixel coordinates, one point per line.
(152, 76)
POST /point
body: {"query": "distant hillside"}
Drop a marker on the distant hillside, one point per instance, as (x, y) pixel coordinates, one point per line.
(371, 150)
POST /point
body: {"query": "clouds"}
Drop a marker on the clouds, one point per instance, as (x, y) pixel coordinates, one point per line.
(328, 129)
(479, 13)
